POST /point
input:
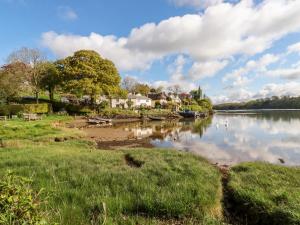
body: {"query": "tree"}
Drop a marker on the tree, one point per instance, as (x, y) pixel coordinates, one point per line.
(175, 89)
(197, 94)
(12, 80)
(32, 58)
(143, 89)
(50, 78)
(129, 83)
(87, 73)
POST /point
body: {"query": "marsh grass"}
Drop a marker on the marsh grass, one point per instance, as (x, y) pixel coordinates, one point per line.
(85, 185)
(265, 194)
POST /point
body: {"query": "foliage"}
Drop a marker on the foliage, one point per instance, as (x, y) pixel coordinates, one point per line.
(142, 89)
(12, 81)
(265, 194)
(6, 110)
(196, 108)
(87, 73)
(50, 78)
(284, 102)
(32, 58)
(19, 204)
(197, 94)
(103, 105)
(118, 113)
(206, 104)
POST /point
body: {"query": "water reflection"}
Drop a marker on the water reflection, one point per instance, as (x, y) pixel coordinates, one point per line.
(230, 138)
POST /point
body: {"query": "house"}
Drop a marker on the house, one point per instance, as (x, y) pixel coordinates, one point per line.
(184, 96)
(160, 98)
(132, 101)
(138, 101)
(119, 103)
(175, 98)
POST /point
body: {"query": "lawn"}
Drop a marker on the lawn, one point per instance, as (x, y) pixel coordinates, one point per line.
(262, 193)
(85, 185)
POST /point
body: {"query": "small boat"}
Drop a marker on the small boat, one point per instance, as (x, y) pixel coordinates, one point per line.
(156, 118)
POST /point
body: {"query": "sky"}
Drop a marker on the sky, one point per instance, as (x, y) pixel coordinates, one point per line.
(236, 50)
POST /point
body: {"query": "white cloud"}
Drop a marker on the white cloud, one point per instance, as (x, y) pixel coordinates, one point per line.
(201, 70)
(210, 39)
(238, 77)
(108, 46)
(267, 91)
(294, 48)
(216, 34)
(66, 13)
(287, 73)
(177, 76)
(196, 3)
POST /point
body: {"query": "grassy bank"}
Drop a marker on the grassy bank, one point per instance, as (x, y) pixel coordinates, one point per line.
(262, 193)
(84, 185)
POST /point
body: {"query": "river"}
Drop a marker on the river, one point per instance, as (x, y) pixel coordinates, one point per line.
(230, 137)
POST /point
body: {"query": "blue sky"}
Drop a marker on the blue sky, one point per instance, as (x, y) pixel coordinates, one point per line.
(236, 50)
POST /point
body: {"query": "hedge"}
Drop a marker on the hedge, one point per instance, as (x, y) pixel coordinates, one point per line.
(6, 110)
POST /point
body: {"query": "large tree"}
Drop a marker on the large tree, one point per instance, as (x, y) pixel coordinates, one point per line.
(32, 58)
(13, 80)
(143, 89)
(50, 78)
(87, 73)
(129, 83)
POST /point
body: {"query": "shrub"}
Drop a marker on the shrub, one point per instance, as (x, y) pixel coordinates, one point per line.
(193, 108)
(78, 109)
(19, 204)
(36, 108)
(6, 110)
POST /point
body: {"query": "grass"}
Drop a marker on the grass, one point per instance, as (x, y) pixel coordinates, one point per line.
(84, 185)
(265, 194)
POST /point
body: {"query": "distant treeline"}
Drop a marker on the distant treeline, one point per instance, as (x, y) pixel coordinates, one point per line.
(275, 102)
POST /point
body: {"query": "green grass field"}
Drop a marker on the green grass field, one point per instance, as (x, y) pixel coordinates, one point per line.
(84, 185)
(265, 194)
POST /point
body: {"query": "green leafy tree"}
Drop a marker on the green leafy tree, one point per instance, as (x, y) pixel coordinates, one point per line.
(12, 81)
(143, 89)
(87, 73)
(50, 78)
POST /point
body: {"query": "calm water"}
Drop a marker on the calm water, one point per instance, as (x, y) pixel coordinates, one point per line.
(229, 138)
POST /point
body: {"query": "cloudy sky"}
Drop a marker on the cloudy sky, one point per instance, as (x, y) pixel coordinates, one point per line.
(235, 49)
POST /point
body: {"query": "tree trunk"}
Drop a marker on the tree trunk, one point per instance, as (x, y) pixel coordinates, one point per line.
(51, 94)
(37, 97)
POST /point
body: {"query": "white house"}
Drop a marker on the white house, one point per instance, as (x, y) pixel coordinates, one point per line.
(138, 101)
(119, 103)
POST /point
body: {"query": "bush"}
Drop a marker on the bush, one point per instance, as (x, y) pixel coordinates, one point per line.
(6, 110)
(193, 108)
(118, 113)
(36, 108)
(78, 109)
(18, 203)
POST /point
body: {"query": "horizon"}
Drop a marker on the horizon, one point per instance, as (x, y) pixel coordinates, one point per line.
(168, 42)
